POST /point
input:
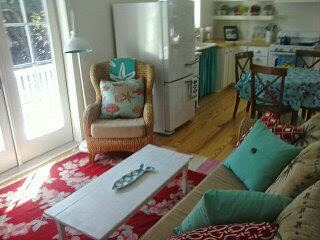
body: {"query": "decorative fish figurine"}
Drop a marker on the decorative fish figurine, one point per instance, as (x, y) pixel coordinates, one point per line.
(131, 177)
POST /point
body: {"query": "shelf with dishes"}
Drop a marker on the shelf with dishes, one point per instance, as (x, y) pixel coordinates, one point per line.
(250, 1)
(252, 10)
(297, 1)
(241, 17)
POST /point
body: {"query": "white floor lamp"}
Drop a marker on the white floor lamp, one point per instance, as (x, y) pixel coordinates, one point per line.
(78, 45)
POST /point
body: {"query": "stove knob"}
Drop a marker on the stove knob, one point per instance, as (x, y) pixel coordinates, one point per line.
(276, 49)
(291, 50)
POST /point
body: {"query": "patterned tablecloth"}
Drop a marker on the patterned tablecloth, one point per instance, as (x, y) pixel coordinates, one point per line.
(302, 87)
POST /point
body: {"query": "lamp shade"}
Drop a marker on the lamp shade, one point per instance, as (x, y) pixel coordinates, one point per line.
(77, 44)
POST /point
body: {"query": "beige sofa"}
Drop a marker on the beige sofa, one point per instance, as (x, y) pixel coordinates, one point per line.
(220, 178)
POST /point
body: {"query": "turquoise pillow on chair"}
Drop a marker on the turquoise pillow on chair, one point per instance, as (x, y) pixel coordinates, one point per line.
(121, 69)
(219, 207)
(123, 99)
(260, 158)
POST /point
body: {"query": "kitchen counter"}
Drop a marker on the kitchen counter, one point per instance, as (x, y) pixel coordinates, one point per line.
(221, 43)
(204, 45)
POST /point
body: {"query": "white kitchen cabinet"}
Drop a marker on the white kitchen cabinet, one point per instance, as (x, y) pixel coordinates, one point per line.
(260, 55)
(231, 64)
(226, 63)
(260, 60)
(222, 68)
(226, 66)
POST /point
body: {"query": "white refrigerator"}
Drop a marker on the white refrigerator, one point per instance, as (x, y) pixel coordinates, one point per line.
(161, 33)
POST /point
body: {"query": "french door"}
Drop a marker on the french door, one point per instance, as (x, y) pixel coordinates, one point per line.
(34, 109)
(7, 151)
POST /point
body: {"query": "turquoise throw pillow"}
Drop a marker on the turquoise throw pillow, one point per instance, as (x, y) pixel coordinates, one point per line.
(218, 207)
(122, 99)
(260, 158)
(121, 69)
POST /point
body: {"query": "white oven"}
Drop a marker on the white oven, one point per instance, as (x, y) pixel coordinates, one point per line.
(281, 55)
(281, 59)
(284, 55)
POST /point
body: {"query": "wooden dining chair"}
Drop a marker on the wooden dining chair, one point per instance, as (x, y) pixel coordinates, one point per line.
(311, 60)
(243, 62)
(308, 59)
(267, 95)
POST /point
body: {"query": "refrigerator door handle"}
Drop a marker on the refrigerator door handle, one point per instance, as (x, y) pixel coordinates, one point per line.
(192, 63)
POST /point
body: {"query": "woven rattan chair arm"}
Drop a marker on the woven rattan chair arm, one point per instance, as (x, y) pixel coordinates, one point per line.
(245, 125)
(91, 114)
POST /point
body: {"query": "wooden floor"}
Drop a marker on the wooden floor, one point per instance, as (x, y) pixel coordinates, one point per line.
(212, 132)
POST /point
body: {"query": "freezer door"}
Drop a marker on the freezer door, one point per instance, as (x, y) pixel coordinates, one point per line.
(179, 103)
(179, 38)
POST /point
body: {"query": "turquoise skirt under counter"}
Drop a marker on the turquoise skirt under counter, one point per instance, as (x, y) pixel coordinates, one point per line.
(207, 71)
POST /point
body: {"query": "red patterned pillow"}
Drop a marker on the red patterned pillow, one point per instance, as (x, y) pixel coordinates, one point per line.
(271, 121)
(243, 231)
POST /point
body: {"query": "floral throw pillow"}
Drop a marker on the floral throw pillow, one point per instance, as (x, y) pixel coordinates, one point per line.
(244, 231)
(123, 99)
(287, 133)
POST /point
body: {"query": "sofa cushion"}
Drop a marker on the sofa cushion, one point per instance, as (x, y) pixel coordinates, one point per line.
(300, 219)
(118, 128)
(310, 132)
(220, 178)
(260, 158)
(123, 99)
(245, 231)
(229, 206)
(303, 171)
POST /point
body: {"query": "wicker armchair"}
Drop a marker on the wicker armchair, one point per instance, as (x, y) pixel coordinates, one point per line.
(95, 145)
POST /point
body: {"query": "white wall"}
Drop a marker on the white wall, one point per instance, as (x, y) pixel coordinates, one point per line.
(94, 21)
(299, 16)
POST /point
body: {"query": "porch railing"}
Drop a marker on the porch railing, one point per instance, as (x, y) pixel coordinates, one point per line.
(40, 99)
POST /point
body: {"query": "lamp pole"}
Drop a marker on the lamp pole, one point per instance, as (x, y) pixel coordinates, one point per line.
(78, 45)
(82, 82)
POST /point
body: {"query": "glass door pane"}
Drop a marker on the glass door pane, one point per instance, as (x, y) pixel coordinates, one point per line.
(41, 108)
(31, 51)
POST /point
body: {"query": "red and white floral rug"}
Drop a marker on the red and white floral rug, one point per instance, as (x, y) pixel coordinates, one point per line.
(22, 203)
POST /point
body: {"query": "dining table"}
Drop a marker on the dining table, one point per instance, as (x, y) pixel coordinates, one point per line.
(302, 88)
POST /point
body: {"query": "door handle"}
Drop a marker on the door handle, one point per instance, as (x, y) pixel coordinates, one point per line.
(192, 63)
(189, 84)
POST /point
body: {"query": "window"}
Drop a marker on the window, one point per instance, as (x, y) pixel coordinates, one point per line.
(29, 41)
(26, 26)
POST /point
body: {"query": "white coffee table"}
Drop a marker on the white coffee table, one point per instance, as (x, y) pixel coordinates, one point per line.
(97, 211)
